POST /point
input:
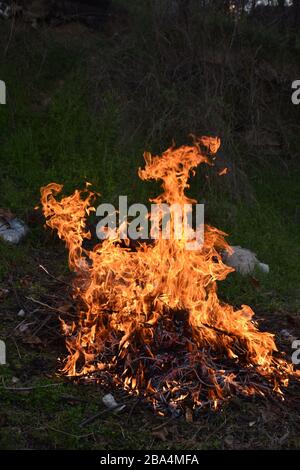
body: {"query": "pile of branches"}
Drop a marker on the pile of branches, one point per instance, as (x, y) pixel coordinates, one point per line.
(175, 377)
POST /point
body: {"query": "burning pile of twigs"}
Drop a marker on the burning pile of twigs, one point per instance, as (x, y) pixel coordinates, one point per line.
(177, 375)
(149, 319)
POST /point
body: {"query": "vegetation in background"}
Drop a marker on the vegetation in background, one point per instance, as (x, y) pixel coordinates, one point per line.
(85, 110)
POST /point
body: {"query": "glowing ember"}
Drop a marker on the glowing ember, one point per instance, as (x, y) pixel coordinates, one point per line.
(150, 319)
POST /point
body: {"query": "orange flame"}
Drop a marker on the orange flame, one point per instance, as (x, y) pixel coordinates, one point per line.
(223, 172)
(141, 310)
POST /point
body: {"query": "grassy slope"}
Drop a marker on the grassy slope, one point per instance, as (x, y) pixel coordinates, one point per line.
(61, 124)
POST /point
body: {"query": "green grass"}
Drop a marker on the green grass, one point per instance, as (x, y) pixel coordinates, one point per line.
(270, 228)
(66, 122)
(67, 141)
(48, 418)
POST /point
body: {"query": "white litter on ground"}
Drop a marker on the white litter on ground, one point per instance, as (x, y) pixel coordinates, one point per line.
(5, 10)
(243, 261)
(110, 403)
(21, 313)
(12, 230)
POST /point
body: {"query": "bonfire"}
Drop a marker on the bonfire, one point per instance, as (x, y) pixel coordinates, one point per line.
(149, 317)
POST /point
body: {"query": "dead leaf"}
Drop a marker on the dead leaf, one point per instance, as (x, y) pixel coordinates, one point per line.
(22, 328)
(66, 308)
(189, 415)
(6, 214)
(255, 282)
(161, 434)
(26, 281)
(3, 293)
(32, 340)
